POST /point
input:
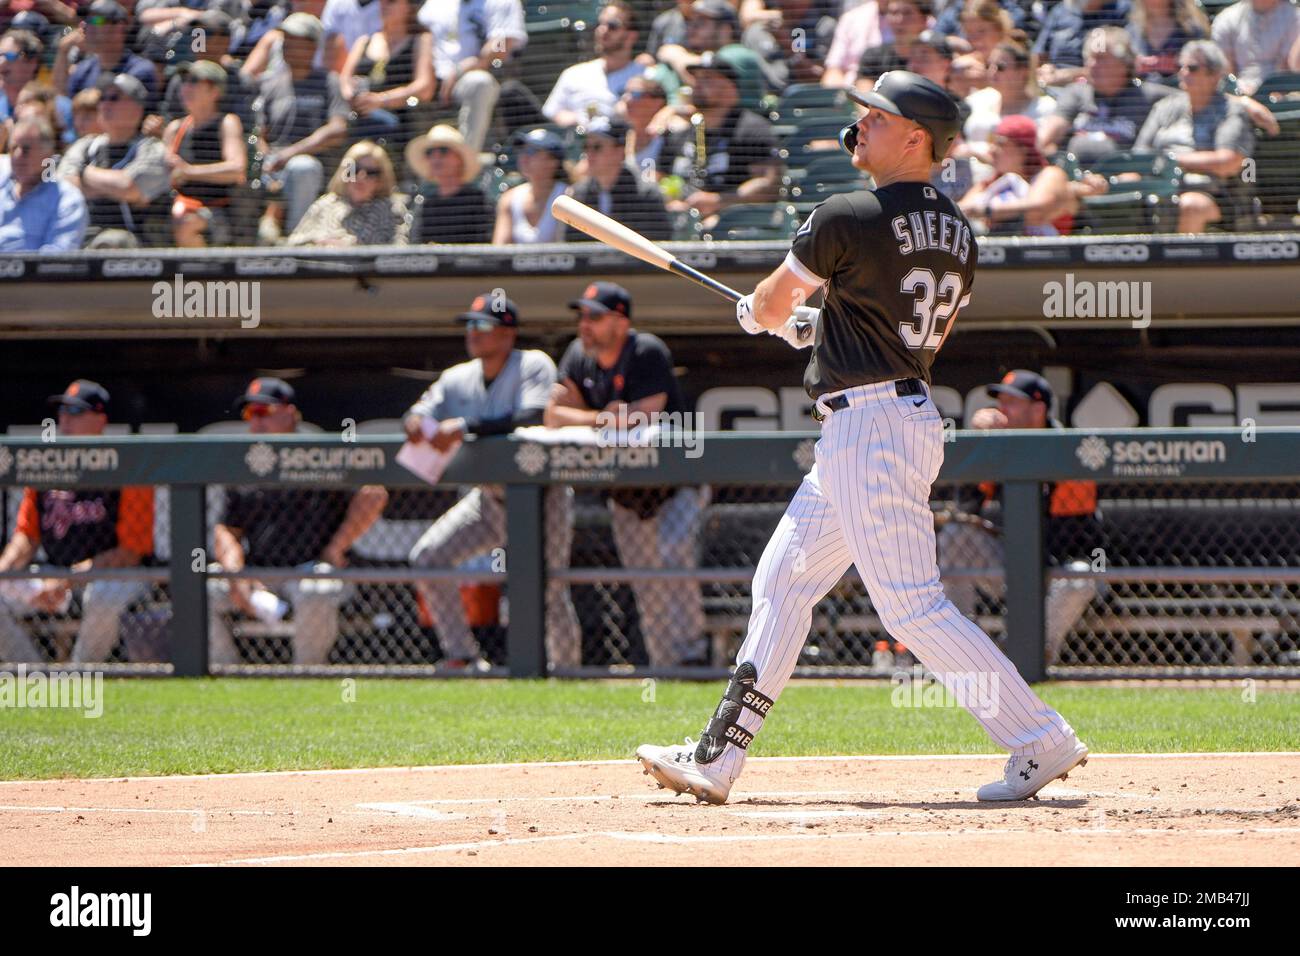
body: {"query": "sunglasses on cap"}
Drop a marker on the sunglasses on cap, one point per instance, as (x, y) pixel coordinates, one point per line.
(481, 325)
(72, 411)
(367, 172)
(256, 410)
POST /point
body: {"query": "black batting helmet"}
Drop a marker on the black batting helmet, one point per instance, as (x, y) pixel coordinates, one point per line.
(913, 97)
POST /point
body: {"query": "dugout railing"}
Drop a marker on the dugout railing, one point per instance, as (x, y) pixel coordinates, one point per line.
(1190, 568)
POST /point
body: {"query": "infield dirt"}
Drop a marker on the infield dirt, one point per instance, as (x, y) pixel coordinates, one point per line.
(1140, 809)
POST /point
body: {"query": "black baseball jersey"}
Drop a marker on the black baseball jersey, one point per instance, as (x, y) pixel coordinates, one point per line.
(898, 262)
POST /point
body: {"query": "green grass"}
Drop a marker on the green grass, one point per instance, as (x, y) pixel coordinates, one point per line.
(198, 726)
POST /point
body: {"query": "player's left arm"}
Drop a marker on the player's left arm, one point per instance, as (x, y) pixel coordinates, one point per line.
(777, 296)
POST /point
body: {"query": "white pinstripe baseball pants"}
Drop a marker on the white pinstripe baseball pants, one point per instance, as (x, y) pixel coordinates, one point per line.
(866, 502)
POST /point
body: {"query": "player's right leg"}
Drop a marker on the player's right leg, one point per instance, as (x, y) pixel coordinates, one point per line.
(804, 559)
(471, 527)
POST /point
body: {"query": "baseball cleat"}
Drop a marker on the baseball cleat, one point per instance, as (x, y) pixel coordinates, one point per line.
(675, 768)
(1026, 774)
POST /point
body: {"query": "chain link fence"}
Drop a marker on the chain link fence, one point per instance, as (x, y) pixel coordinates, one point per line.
(117, 613)
(1161, 579)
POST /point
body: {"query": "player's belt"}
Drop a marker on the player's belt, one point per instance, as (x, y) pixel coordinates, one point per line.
(903, 388)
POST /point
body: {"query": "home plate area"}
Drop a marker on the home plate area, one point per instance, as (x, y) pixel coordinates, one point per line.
(1134, 809)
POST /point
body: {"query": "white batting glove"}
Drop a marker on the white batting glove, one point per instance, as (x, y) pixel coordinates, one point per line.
(745, 315)
(800, 329)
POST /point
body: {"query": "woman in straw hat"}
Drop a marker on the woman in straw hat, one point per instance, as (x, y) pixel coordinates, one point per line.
(452, 206)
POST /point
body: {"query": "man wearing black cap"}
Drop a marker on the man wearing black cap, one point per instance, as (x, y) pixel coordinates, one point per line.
(728, 155)
(612, 186)
(1024, 401)
(101, 38)
(306, 528)
(613, 371)
(122, 173)
(895, 264)
(499, 389)
(79, 529)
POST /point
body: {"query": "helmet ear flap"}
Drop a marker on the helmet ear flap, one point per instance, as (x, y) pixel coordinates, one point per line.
(849, 138)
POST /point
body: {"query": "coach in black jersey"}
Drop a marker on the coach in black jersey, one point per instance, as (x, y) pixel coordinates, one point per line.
(897, 263)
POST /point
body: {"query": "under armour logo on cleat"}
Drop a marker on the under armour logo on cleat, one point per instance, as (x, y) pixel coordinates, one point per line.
(1032, 766)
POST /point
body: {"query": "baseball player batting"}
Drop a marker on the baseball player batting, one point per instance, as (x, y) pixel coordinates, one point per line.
(897, 263)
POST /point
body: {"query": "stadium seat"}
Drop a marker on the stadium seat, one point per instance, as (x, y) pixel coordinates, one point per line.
(810, 131)
(752, 221)
(1276, 183)
(555, 16)
(806, 102)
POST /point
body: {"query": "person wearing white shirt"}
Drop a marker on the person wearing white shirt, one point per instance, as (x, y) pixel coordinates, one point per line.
(345, 22)
(590, 89)
(468, 37)
(1257, 36)
(1012, 90)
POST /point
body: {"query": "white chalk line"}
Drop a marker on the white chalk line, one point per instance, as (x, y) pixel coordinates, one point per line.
(442, 768)
(669, 838)
(195, 811)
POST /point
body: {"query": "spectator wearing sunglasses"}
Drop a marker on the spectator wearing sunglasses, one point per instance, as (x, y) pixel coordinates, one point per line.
(452, 207)
(614, 187)
(524, 211)
(587, 90)
(360, 207)
(79, 529)
(641, 105)
(20, 61)
(311, 529)
(101, 42)
(1208, 133)
(207, 157)
(122, 173)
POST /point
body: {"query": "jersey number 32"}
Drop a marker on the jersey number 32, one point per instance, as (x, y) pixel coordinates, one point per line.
(927, 330)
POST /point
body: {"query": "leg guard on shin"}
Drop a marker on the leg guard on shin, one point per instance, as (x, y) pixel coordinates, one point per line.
(723, 729)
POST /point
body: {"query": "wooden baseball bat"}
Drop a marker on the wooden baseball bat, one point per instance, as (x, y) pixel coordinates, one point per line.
(599, 226)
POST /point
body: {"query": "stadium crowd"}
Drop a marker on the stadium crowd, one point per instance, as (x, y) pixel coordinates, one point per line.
(196, 123)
